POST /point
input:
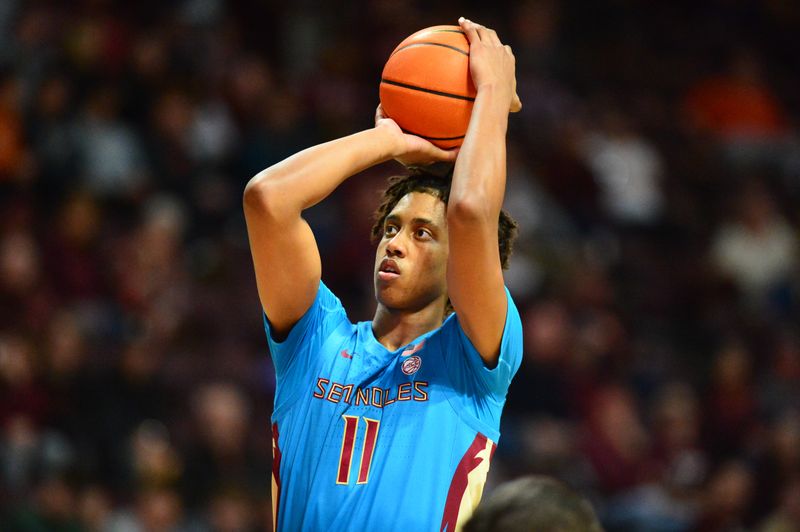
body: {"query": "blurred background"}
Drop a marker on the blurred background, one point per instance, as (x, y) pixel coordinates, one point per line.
(654, 170)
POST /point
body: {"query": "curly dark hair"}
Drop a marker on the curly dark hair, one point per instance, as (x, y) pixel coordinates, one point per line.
(424, 180)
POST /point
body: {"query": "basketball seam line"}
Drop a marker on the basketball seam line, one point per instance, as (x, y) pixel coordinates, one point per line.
(430, 91)
(455, 48)
(431, 138)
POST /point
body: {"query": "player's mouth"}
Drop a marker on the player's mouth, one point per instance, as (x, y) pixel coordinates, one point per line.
(388, 270)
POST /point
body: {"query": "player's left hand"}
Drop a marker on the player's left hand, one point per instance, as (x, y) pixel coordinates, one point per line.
(491, 63)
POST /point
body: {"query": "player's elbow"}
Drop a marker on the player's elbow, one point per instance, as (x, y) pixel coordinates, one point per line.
(468, 211)
(261, 198)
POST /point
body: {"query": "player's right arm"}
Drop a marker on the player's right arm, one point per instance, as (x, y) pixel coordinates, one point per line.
(285, 255)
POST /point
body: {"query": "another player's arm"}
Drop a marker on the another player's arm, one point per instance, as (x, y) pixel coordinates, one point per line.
(474, 274)
(285, 254)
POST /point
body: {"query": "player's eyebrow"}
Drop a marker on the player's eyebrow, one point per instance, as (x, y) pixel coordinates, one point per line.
(414, 221)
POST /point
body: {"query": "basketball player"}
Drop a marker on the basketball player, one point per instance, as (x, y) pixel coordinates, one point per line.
(391, 424)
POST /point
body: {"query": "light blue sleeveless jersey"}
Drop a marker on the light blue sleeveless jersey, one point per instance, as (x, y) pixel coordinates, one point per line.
(370, 439)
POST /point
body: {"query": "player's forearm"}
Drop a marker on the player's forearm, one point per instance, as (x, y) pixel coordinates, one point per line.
(306, 178)
(480, 172)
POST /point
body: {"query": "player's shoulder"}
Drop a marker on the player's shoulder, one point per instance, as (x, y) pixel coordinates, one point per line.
(327, 307)
(327, 299)
(326, 317)
(449, 326)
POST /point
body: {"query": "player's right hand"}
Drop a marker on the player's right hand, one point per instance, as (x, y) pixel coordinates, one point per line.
(491, 63)
(411, 150)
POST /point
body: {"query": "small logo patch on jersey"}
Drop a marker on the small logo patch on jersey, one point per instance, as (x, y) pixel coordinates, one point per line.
(413, 349)
(411, 365)
(345, 354)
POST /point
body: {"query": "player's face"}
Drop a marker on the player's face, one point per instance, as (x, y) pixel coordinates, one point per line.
(411, 259)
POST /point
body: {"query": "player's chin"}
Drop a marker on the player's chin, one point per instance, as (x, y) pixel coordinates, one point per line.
(389, 294)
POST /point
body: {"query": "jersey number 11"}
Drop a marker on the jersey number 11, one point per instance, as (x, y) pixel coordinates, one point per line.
(348, 443)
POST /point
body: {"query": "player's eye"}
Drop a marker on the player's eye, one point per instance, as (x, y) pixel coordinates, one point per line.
(390, 230)
(423, 233)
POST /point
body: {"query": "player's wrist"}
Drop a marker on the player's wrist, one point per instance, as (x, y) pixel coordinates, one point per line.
(496, 95)
(391, 141)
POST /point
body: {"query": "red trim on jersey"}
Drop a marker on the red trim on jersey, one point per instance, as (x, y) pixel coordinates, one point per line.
(458, 485)
(276, 474)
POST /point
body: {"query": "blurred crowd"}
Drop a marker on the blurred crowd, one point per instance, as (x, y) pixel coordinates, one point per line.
(654, 170)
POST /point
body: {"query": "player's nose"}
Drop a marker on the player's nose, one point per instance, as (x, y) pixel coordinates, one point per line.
(396, 246)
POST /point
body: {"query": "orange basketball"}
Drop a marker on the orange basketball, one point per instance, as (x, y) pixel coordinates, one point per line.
(426, 86)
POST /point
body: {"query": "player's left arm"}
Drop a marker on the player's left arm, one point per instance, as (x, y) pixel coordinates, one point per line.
(474, 273)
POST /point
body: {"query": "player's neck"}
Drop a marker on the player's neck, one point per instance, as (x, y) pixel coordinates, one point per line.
(395, 328)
